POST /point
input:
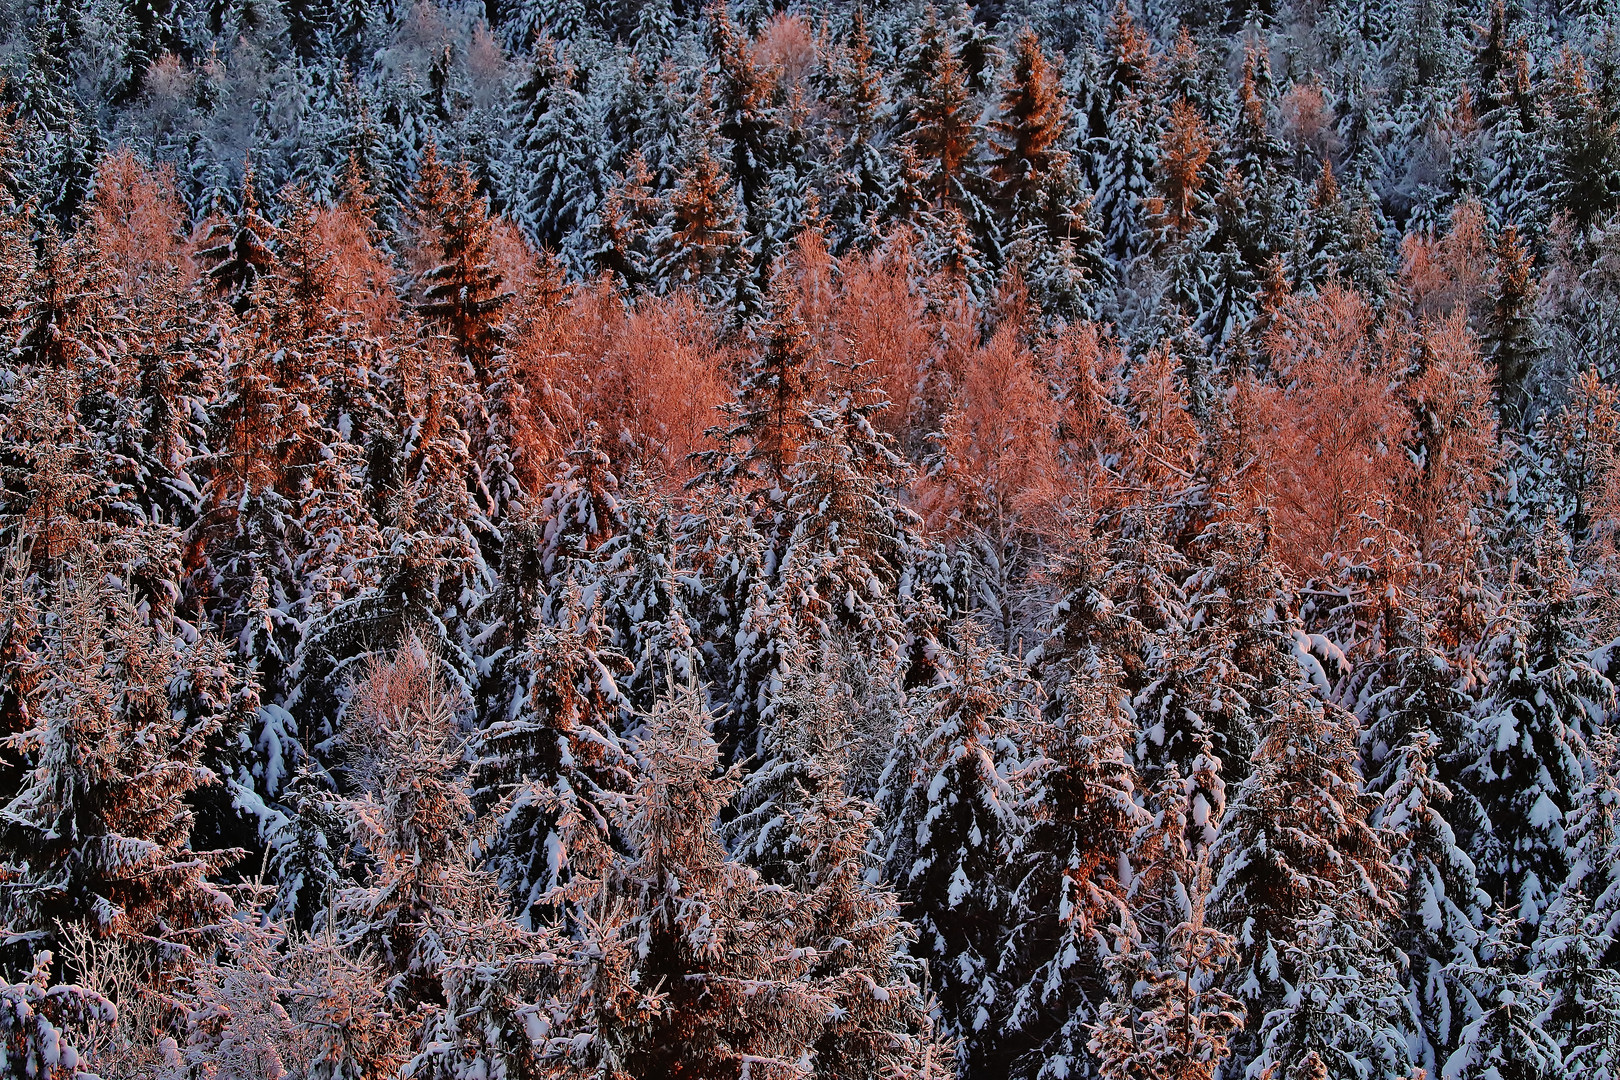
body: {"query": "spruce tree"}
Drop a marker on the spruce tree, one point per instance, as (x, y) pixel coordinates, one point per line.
(743, 103)
(951, 790)
(98, 837)
(463, 289)
(551, 765)
(412, 818)
(1443, 905)
(494, 985)
(882, 1022)
(653, 33)
(1169, 1019)
(1510, 333)
(798, 824)
(38, 1019)
(772, 400)
(1586, 180)
(1593, 836)
(426, 562)
(1419, 691)
(252, 513)
(1345, 1013)
(862, 181)
(1167, 1015)
(645, 605)
(1524, 750)
(1583, 1009)
(1243, 647)
(560, 178)
(237, 250)
(700, 243)
(621, 236)
(1072, 898)
(1027, 139)
(1502, 1035)
(686, 966)
(943, 132)
(1300, 865)
(578, 513)
(851, 537)
(808, 714)
(57, 144)
(1122, 164)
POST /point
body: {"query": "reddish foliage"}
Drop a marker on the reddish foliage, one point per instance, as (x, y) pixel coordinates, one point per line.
(139, 225)
(1331, 432)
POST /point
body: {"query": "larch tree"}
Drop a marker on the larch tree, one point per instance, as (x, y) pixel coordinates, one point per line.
(1145, 607)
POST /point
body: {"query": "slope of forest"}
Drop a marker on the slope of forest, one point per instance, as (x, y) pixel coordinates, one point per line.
(551, 539)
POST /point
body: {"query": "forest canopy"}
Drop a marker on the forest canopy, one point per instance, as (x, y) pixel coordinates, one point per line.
(545, 539)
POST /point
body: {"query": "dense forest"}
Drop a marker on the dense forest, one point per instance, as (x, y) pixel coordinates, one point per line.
(1037, 541)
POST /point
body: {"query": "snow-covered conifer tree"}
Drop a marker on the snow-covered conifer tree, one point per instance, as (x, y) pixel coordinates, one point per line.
(551, 764)
(1525, 746)
(953, 790)
(1444, 907)
(687, 965)
(1169, 1018)
(98, 836)
(462, 288)
(1503, 1034)
(1071, 906)
(700, 243)
(1299, 862)
(37, 1022)
(1583, 1010)
(413, 820)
